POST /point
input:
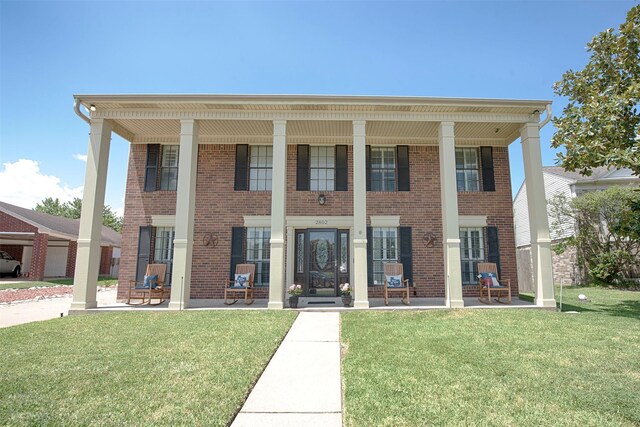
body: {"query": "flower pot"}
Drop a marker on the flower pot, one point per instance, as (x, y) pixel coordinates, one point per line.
(293, 301)
(346, 300)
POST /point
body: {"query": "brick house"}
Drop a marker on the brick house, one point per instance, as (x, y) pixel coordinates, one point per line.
(315, 190)
(47, 244)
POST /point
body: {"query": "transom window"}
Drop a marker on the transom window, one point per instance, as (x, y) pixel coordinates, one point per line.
(260, 168)
(471, 252)
(322, 168)
(467, 174)
(169, 167)
(383, 169)
(385, 249)
(258, 253)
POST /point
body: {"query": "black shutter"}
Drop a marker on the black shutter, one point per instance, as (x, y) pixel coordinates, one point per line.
(144, 252)
(342, 175)
(369, 256)
(403, 168)
(406, 254)
(151, 171)
(302, 168)
(488, 180)
(494, 247)
(368, 158)
(242, 166)
(237, 249)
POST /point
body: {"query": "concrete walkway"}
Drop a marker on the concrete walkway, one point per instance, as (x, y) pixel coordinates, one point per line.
(301, 385)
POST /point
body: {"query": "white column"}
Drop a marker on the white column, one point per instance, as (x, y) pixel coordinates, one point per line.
(450, 227)
(88, 251)
(360, 287)
(278, 215)
(185, 209)
(538, 221)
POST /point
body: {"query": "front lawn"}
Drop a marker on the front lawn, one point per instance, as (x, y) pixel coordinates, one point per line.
(496, 367)
(102, 281)
(162, 368)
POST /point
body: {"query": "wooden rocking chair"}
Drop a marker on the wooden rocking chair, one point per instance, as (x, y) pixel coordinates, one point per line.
(242, 283)
(391, 271)
(152, 286)
(488, 286)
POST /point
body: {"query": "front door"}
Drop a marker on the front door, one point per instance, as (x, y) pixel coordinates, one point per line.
(322, 261)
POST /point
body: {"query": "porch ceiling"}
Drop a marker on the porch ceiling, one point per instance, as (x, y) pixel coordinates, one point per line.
(316, 119)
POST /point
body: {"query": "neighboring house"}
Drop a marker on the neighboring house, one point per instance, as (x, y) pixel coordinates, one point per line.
(313, 190)
(47, 244)
(571, 184)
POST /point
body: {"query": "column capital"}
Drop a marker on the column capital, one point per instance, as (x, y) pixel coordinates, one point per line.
(359, 122)
(279, 127)
(529, 130)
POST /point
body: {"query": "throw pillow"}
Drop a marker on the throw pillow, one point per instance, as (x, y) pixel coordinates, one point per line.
(241, 280)
(394, 281)
(490, 279)
(150, 282)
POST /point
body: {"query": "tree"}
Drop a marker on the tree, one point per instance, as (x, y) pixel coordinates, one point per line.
(599, 125)
(73, 209)
(601, 232)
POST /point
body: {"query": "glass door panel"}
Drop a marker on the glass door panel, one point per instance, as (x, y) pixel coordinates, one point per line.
(323, 263)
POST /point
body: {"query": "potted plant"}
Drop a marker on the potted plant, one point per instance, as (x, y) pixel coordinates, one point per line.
(345, 289)
(294, 292)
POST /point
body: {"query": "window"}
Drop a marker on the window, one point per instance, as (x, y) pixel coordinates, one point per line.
(163, 249)
(471, 252)
(258, 253)
(467, 175)
(385, 249)
(383, 169)
(260, 168)
(169, 167)
(322, 168)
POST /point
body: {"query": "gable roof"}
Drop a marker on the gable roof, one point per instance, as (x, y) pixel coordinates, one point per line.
(56, 225)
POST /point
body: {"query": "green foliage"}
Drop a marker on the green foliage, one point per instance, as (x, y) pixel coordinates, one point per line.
(603, 238)
(599, 125)
(73, 209)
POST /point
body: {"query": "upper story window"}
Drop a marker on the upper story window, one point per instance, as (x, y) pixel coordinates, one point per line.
(260, 168)
(383, 169)
(467, 169)
(322, 168)
(169, 167)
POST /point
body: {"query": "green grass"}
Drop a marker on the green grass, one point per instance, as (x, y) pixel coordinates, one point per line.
(102, 281)
(162, 368)
(496, 367)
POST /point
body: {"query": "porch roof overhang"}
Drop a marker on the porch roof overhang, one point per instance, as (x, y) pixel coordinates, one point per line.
(314, 118)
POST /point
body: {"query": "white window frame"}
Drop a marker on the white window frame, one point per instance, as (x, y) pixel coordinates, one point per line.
(387, 174)
(385, 249)
(169, 167)
(467, 170)
(260, 167)
(470, 253)
(258, 252)
(163, 248)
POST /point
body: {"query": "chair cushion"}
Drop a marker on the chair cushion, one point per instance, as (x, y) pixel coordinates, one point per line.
(150, 282)
(394, 282)
(490, 280)
(241, 281)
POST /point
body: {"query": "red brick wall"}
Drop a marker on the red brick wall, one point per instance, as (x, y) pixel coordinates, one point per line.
(71, 258)
(219, 208)
(38, 256)
(10, 223)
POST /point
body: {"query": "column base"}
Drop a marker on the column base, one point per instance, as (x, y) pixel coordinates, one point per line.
(546, 303)
(83, 305)
(456, 304)
(275, 305)
(177, 305)
(361, 304)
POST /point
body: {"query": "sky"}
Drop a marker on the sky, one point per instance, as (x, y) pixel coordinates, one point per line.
(51, 50)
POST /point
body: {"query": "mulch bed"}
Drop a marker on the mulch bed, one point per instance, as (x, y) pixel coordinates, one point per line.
(9, 296)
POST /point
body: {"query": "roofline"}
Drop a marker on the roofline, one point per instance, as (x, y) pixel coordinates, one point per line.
(309, 99)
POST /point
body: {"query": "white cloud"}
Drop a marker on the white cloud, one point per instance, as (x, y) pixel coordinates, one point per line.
(81, 157)
(22, 184)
